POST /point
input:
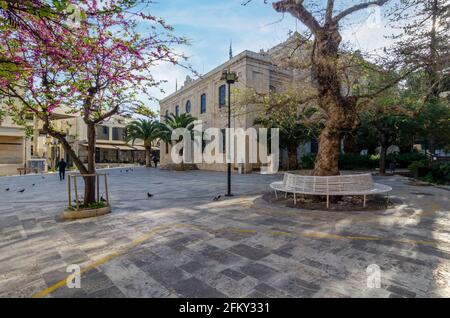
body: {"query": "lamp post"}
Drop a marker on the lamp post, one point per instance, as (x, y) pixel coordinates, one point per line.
(230, 78)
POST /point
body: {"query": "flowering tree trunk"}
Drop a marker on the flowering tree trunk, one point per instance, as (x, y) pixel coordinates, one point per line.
(89, 181)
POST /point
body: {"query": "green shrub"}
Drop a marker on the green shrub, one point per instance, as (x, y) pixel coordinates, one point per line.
(440, 172)
(354, 161)
(405, 159)
(418, 164)
(307, 162)
(346, 161)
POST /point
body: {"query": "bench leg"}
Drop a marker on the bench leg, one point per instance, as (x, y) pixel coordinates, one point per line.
(285, 195)
(276, 195)
(387, 200)
(328, 201)
(364, 204)
(295, 199)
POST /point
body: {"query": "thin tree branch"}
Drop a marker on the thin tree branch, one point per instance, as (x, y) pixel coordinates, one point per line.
(358, 7)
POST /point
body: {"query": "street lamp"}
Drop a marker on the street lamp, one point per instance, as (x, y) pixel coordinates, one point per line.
(230, 78)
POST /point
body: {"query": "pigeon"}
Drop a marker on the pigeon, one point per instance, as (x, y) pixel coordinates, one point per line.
(120, 170)
(216, 198)
(126, 170)
(149, 195)
(43, 177)
(21, 191)
(33, 184)
(7, 189)
(102, 199)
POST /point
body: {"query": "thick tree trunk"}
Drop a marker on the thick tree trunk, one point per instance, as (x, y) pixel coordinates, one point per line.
(292, 158)
(383, 155)
(341, 110)
(327, 159)
(148, 156)
(89, 182)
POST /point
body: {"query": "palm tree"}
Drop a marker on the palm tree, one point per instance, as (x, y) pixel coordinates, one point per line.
(173, 122)
(146, 130)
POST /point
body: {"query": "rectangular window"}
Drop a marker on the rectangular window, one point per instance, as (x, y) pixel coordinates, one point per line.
(222, 95)
(203, 104)
(117, 133)
(102, 132)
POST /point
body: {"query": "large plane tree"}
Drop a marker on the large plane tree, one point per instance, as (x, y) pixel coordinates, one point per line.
(340, 109)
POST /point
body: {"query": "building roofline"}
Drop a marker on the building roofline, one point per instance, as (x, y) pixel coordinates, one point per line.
(243, 55)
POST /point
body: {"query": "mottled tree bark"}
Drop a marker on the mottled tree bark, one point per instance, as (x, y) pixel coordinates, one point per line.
(340, 110)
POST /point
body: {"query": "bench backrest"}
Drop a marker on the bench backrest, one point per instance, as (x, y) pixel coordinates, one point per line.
(317, 184)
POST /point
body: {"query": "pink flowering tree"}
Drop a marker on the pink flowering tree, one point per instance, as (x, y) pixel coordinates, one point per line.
(96, 70)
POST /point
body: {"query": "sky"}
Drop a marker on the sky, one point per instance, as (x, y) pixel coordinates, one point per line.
(210, 26)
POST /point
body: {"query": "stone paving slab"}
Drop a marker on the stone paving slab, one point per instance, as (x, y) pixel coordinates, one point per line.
(180, 243)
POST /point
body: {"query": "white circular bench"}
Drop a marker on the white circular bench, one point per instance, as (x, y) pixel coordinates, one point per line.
(357, 184)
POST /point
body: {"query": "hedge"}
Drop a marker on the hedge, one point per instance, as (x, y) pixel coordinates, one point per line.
(355, 161)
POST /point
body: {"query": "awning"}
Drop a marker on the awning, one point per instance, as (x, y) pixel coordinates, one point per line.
(101, 146)
(123, 147)
(119, 147)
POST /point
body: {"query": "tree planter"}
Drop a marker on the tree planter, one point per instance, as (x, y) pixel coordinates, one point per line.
(78, 211)
(83, 214)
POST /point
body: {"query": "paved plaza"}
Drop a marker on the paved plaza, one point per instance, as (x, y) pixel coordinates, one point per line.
(181, 243)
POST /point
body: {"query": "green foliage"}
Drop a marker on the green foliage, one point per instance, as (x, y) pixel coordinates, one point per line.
(346, 161)
(418, 164)
(90, 206)
(2, 114)
(307, 162)
(173, 122)
(355, 161)
(146, 130)
(403, 160)
(439, 173)
(144, 111)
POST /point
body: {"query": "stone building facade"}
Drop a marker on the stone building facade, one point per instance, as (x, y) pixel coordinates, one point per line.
(17, 150)
(205, 98)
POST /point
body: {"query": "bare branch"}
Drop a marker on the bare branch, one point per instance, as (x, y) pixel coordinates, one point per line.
(329, 12)
(359, 7)
(296, 8)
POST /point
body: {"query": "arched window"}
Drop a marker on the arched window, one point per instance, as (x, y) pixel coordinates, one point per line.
(203, 104)
(222, 95)
(188, 106)
(177, 110)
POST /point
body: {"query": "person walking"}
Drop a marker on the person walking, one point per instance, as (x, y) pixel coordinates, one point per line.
(62, 169)
(155, 161)
(393, 166)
